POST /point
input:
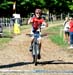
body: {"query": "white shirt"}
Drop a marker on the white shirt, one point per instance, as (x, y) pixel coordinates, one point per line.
(66, 26)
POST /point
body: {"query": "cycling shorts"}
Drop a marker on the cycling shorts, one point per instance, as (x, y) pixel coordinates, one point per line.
(32, 33)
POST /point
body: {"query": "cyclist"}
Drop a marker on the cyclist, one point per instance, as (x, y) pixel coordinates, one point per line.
(37, 21)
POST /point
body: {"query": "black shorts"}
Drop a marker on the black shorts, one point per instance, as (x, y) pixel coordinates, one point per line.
(67, 33)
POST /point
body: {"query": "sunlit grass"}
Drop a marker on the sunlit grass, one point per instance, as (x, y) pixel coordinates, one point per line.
(57, 38)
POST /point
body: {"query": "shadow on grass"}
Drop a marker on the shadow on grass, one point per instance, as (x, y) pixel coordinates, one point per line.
(6, 36)
(53, 62)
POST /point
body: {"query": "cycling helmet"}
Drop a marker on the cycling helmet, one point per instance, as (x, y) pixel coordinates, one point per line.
(38, 11)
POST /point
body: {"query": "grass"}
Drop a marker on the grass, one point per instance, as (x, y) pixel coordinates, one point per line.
(4, 40)
(56, 22)
(25, 27)
(56, 37)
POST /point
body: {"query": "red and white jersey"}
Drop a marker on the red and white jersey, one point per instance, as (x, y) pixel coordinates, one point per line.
(36, 22)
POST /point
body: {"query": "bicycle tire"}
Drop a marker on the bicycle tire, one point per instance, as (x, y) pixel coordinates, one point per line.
(35, 52)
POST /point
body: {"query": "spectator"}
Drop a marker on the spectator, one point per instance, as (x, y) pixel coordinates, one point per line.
(71, 32)
(66, 29)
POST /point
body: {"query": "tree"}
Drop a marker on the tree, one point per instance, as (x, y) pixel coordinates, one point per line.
(5, 7)
(28, 6)
(24, 7)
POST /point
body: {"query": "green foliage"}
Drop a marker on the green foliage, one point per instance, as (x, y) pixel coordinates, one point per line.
(52, 5)
(27, 6)
(71, 7)
(5, 4)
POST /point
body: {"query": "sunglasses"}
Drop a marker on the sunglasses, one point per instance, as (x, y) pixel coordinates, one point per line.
(37, 13)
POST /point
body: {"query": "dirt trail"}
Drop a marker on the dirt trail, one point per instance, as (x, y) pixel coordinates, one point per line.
(16, 55)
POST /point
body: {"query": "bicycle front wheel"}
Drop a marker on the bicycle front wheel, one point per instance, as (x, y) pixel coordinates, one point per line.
(35, 55)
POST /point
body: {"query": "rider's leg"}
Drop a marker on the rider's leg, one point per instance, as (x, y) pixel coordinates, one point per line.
(32, 38)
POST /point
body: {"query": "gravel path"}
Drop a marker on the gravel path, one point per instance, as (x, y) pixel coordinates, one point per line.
(16, 56)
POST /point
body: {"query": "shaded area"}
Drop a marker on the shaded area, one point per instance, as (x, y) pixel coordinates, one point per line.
(38, 63)
(15, 64)
(54, 62)
(6, 36)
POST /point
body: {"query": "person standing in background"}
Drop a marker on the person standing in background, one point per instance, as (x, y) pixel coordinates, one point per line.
(66, 30)
(71, 32)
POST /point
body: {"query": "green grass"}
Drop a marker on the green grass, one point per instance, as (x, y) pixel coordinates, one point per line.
(55, 36)
(4, 40)
(56, 22)
(25, 27)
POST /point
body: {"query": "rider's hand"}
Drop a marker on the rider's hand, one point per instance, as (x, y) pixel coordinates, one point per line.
(46, 24)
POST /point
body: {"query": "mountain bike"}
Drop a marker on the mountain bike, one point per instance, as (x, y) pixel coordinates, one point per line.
(35, 45)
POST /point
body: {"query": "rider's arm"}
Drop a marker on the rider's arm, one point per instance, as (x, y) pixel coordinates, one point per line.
(30, 20)
(44, 23)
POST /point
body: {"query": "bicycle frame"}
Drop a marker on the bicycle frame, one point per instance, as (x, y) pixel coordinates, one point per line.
(35, 51)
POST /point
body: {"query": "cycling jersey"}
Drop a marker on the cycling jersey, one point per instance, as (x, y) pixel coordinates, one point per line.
(36, 23)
